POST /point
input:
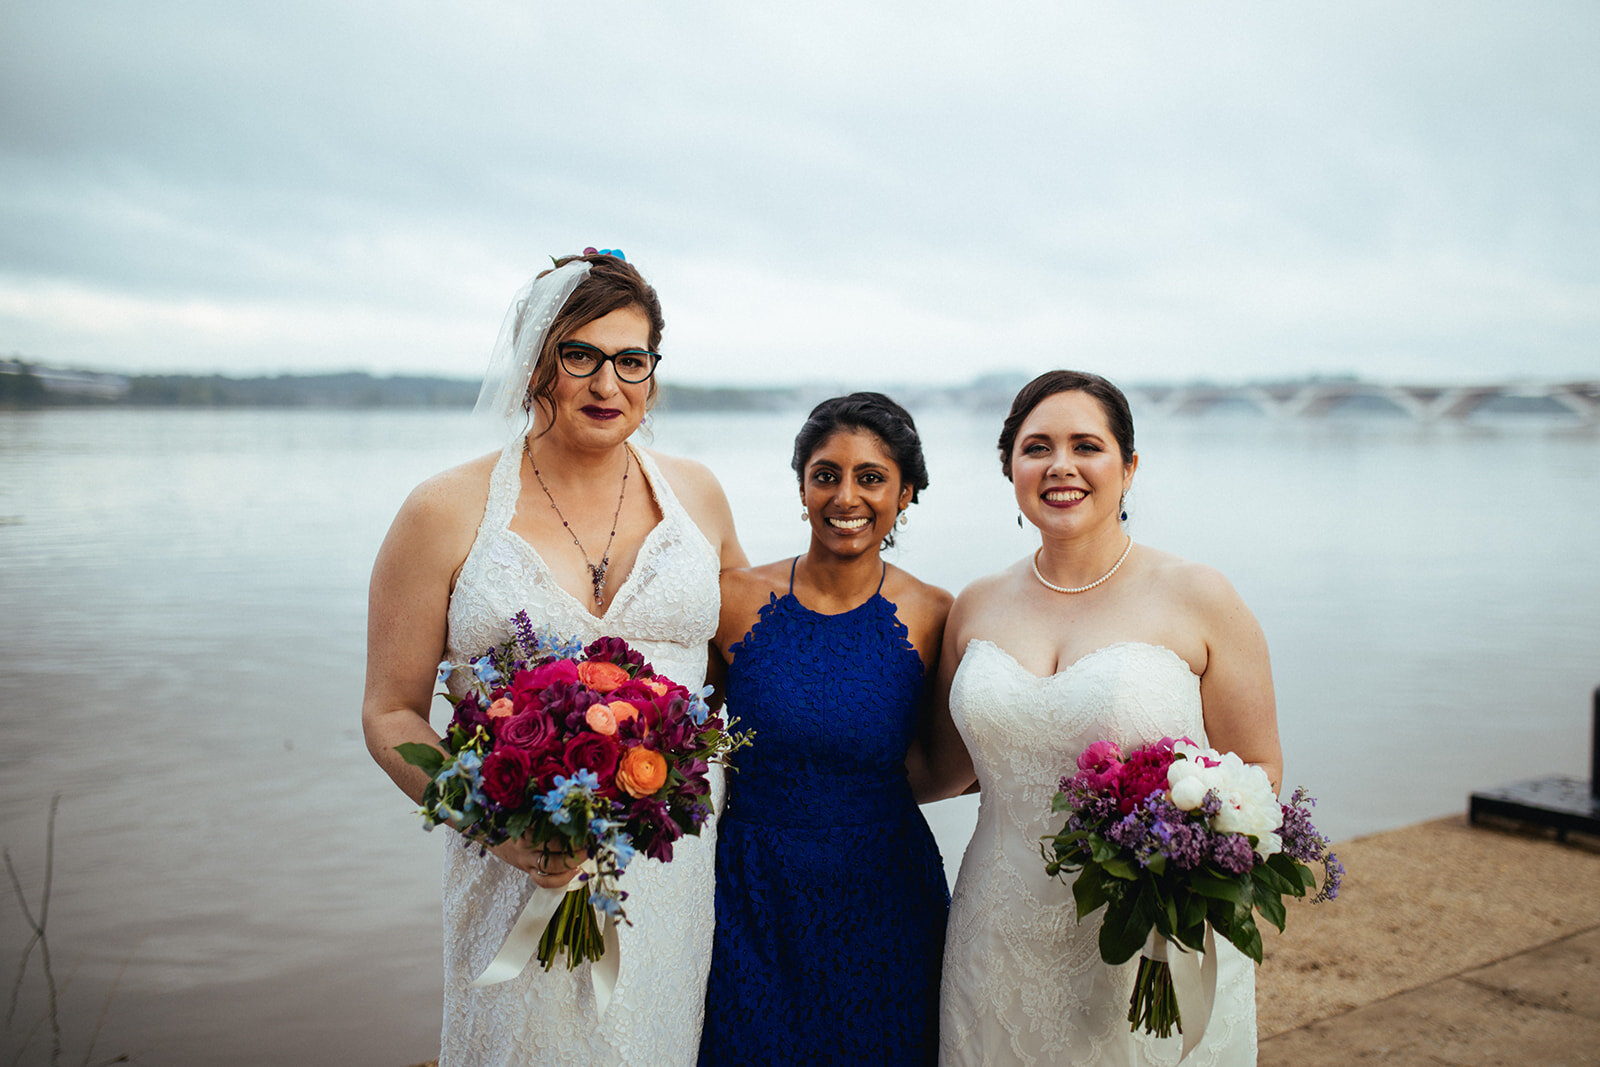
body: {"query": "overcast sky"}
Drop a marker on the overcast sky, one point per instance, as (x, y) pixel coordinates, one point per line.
(866, 192)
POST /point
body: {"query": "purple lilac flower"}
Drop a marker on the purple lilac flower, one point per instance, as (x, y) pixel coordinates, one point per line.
(1301, 840)
(1332, 878)
(1183, 843)
(1232, 852)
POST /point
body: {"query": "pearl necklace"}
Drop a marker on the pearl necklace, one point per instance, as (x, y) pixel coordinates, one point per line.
(1082, 588)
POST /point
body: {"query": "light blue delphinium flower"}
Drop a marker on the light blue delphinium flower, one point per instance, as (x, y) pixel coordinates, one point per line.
(484, 666)
(569, 648)
(586, 779)
(607, 905)
(623, 847)
(699, 710)
(446, 668)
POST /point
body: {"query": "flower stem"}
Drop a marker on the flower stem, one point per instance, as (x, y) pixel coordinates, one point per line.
(1154, 1006)
(573, 929)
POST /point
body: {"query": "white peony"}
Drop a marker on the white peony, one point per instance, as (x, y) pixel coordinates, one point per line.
(1188, 792)
(1249, 806)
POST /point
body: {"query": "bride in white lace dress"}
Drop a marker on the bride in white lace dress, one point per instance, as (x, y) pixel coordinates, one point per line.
(1091, 637)
(592, 537)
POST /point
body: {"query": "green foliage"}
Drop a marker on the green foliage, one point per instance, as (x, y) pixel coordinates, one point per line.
(427, 757)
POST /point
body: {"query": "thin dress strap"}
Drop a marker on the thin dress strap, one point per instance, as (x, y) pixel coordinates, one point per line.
(792, 562)
(881, 577)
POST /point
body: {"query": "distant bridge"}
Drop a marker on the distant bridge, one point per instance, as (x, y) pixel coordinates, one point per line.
(1317, 398)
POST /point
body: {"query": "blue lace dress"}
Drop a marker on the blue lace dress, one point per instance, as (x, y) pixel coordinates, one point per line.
(830, 894)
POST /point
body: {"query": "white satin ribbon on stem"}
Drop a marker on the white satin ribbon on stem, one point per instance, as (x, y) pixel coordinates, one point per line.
(1194, 983)
(523, 942)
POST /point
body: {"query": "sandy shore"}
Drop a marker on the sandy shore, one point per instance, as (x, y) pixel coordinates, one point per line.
(1451, 944)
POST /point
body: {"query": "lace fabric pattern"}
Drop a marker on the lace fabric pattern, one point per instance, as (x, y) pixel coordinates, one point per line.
(831, 898)
(666, 609)
(1023, 980)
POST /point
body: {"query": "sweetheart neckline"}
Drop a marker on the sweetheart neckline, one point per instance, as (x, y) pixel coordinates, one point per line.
(1073, 666)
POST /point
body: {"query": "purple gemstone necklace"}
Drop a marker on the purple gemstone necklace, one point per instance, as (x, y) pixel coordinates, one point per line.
(597, 571)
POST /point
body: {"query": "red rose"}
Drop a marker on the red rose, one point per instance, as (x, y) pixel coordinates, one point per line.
(505, 776)
(594, 752)
(532, 730)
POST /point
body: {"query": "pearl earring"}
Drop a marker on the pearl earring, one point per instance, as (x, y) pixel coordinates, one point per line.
(902, 520)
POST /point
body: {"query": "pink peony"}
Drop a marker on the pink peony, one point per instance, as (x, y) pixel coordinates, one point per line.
(1145, 772)
(1100, 766)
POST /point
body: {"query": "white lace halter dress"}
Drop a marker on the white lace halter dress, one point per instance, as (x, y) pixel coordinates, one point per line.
(667, 610)
(1023, 980)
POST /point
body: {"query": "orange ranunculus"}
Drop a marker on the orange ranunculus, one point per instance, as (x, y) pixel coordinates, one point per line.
(623, 710)
(601, 719)
(501, 709)
(658, 688)
(642, 771)
(601, 675)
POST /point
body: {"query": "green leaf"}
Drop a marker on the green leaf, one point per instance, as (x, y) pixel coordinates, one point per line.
(1235, 890)
(427, 757)
(1101, 849)
(1294, 872)
(1118, 867)
(1167, 915)
(1089, 890)
(1269, 902)
(1269, 877)
(1127, 926)
(1060, 802)
(1244, 935)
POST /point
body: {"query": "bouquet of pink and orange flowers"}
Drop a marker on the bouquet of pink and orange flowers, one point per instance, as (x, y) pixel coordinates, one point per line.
(1173, 838)
(574, 748)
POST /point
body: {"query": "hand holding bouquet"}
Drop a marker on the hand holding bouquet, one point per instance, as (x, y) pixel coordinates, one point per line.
(1174, 838)
(573, 748)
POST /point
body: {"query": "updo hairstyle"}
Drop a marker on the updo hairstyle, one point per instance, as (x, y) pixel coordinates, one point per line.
(610, 285)
(877, 415)
(1115, 405)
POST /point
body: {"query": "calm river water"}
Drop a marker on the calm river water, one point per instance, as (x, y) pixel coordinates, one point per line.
(182, 611)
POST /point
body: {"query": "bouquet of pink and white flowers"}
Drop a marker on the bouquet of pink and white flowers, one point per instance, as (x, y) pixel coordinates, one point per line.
(573, 748)
(1173, 838)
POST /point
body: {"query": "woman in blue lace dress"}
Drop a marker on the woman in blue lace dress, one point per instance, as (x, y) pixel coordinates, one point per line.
(831, 898)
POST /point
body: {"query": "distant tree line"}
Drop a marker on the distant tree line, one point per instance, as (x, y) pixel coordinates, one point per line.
(30, 386)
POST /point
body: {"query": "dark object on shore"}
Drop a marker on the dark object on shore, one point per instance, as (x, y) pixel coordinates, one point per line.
(1564, 803)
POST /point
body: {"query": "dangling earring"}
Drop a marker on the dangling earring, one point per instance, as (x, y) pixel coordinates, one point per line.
(901, 520)
(1123, 504)
(1019, 520)
(805, 515)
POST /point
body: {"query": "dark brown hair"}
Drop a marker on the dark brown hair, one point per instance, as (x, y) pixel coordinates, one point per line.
(610, 285)
(876, 414)
(1048, 384)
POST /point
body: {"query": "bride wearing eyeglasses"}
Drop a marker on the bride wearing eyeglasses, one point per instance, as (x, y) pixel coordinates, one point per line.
(592, 537)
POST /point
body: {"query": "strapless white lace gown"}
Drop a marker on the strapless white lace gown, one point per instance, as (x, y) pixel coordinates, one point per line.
(1023, 980)
(667, 610)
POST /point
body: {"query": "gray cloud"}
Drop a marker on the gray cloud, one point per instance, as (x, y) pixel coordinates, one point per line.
(866, 192)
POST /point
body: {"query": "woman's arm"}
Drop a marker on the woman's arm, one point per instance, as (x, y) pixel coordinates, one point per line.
(939, 766)
(407, 604)
(1236, 689)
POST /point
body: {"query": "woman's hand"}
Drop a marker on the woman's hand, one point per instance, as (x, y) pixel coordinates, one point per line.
(551, 866)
